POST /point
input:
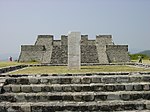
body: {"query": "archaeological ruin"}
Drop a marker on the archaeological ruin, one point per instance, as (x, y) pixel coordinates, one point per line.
(102, 50)
(125, 91)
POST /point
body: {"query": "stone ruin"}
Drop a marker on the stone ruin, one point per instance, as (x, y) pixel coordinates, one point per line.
(102, 50)
(98, 92)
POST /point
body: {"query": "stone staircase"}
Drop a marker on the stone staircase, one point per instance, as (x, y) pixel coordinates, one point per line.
(128, 92)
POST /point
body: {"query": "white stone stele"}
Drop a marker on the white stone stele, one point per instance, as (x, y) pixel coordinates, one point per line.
(74, 54)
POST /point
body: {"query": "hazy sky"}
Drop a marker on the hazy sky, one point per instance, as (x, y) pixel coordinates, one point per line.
(128, 21)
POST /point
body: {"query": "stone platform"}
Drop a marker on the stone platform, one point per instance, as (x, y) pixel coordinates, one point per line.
(124, 92)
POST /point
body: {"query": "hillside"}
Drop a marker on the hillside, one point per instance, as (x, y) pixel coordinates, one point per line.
(146, 52)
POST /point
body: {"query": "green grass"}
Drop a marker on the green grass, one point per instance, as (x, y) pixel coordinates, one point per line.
(143, 61)
(7, 63)
(64, 69)
(84, 69)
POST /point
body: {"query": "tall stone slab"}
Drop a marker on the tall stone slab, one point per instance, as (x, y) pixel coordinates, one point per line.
(74, 53)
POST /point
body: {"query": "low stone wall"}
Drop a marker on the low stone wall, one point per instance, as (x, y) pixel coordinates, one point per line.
(11, 68)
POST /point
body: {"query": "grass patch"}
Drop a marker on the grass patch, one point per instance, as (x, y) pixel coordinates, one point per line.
(7, 63)
(84, 69)
(143, 61)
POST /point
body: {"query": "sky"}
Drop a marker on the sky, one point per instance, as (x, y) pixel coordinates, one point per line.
(21, 21)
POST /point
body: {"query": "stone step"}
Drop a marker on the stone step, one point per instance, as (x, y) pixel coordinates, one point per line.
(105, 106)
(75, 96)
(78, 79)
(138, 86)
(77, 74)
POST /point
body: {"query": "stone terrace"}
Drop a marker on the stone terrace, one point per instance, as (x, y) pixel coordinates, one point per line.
(75, 92)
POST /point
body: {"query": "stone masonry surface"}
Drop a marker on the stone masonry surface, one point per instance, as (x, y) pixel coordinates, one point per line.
(74, 61)
(102, 92)
(102, 50)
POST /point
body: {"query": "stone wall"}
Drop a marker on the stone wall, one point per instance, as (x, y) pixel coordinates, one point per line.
(101, 50)
(101, 42)
(47, 41)
(31, 53)
(117, 53)
(89, 54)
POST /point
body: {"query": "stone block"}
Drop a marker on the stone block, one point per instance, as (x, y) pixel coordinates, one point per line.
(36, 88)
(2, 80)
(148, 106)
(100, 97)
(113, 97)
(86, 88)
(26, 89)
(67, 88)
(88, 97)
(136, 96)
(93, 108)
(11, 109)
(86, 80)
(128, 87)
(57, 88)
(110, 88)
(1, 86)
(55, 81)
(47, 89)
(67, 98)
(43, 98)
(96, 80)
(119, 87)
(125, 96)
(55, 98)
(7, 88)
(140, 107)
(11, 81)
(37, 108)
(76, 80)
(8, 98)
(65, 80)
(135, 79)
(22, 81)
(138, 87)
(146, 87)
(77, 88)
(98, 88)
(20, 98)
(2, 109)
(26, 108)
(44, 81)
(129, 107)
(146, 79)
(109, 80)
(123, 79)
(77, 98)
(33, 80)
(15, 88)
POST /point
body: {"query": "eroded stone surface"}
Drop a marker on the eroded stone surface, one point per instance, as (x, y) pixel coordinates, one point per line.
(74, 60)
(75, 92)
